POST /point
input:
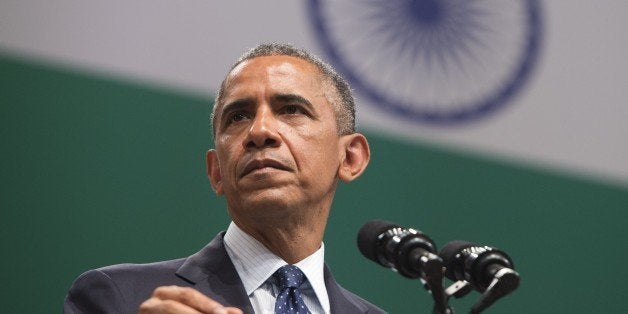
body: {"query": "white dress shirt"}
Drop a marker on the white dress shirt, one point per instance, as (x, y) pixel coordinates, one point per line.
(255, 265)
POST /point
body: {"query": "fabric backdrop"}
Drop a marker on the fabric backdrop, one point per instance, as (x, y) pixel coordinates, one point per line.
(104, 116)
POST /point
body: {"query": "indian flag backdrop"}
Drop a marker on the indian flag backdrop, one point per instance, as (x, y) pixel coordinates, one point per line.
(498, 122)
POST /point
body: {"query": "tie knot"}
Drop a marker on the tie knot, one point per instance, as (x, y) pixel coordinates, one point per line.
(289, 276)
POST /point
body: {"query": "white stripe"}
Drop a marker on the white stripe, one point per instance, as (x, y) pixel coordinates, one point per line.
(571, 115)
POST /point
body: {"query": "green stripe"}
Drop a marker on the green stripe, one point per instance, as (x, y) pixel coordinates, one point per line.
(100, 171)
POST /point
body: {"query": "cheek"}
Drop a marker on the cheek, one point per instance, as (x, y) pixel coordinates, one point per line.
(227, 159)
(322, 154)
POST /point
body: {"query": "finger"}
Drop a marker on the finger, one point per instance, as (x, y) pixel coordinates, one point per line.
(158, 306)
(190, 297)
(231, 310)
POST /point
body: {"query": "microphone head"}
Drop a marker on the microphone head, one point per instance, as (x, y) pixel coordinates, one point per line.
(448, 254)
(477, 264)
(368, 237)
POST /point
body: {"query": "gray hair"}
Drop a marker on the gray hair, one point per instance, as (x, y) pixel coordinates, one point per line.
(342, 102)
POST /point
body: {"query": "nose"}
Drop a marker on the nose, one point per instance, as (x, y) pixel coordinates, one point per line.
(263, 130)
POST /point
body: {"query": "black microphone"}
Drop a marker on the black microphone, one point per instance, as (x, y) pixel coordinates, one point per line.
(474, 263)
(408, 252)
(487, 269)
(405, 250)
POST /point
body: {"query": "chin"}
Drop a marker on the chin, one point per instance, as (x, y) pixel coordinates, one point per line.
(254, 195)
(270, 202)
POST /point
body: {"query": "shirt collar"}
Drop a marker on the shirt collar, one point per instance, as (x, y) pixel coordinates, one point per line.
(255, 263)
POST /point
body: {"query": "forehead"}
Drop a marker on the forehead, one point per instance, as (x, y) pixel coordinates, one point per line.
(274, 70)
(284, 62)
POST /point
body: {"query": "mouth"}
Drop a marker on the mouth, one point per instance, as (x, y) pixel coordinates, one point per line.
(261, 164)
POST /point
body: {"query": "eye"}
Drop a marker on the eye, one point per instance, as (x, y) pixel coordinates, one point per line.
(236, 116)
(293, 109)
(239, 116)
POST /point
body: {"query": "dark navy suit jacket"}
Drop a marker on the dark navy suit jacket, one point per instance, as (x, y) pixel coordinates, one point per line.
(122, 288)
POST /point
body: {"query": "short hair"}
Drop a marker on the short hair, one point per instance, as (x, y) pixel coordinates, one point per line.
(342, 102)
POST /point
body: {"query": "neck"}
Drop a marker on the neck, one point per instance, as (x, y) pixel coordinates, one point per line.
(292, 241)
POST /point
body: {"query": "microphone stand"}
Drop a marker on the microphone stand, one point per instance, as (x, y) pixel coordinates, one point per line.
(458, 289)
(432, 269)
(505, 281)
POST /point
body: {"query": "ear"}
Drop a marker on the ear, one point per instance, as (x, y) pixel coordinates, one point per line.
(213, 171)
(355, 156)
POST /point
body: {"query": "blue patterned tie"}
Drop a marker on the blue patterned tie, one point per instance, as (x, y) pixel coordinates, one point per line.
(289, 300)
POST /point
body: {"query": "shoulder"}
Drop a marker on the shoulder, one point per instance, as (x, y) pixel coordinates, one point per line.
(130, 273)
(120, 288)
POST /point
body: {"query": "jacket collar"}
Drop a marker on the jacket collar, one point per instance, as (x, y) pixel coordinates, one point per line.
(211, 271)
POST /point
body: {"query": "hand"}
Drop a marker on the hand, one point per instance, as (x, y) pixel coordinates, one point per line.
(173, 299)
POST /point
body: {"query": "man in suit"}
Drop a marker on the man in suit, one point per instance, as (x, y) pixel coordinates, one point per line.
(284, 135)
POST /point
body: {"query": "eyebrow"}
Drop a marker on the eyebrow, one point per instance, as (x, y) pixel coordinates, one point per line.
(243, 103)
(236, 105)
(284, 98)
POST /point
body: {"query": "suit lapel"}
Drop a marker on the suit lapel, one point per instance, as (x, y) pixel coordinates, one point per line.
(339, 299)
(211, 271)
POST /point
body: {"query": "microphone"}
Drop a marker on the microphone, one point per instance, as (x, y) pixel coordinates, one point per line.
(405, 250)
(478, 265)
(487, 269)
(408, 252)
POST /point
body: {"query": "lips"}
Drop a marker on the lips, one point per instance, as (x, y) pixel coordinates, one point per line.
(263, 163)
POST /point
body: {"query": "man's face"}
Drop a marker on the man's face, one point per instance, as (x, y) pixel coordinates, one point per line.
(277, 145)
